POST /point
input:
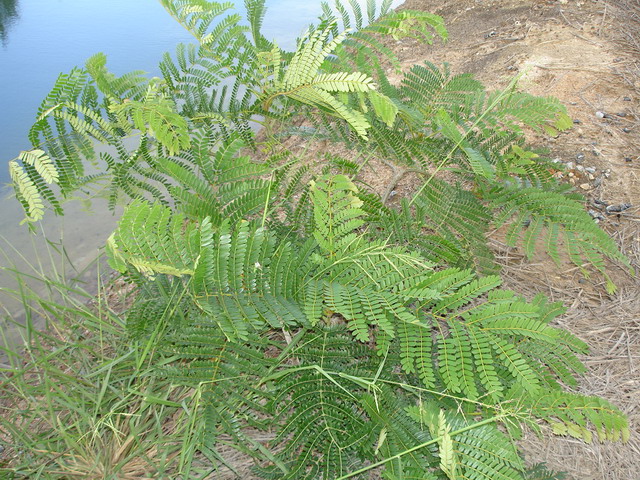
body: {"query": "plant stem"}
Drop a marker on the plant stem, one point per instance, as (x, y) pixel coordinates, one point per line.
(418, 447)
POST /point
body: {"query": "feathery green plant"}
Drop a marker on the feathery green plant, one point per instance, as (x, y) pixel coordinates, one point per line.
(355, 334)
(416, 332)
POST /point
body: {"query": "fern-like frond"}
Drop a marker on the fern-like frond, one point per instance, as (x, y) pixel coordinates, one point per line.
(213, 180)
(198, 16)
(574, 415)
(153, 239)
(42, 163)
(30, 182)
(304, 82)
(132, 85)
(483, 452)
(446, 224)
(337, 214)
(326, 429)
(551, 214)
(376, 24)
(26, 192)
(156, 115)
(540, 471)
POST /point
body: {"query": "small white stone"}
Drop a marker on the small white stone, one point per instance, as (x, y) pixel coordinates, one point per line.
(585, 186)
(600, 114)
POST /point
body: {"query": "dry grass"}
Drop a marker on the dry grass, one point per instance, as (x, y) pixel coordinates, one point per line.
(611, 327)
(625, 32)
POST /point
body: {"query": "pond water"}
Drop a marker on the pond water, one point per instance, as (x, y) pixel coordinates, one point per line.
(40, 39)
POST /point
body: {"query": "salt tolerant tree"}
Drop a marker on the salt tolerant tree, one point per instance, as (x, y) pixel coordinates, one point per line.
(364, 335)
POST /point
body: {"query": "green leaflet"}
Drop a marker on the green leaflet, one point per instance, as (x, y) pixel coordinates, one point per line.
(478, 162)
(156, 115)
(303, 82)
(552, 215)
(154, 241)
(337, 214)
(384, 107)
(27, 192)
(42, 163)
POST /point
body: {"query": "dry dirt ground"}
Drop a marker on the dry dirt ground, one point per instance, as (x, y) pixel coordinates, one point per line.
(587, 54)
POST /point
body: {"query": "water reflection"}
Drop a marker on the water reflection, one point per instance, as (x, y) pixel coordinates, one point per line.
(8, 16)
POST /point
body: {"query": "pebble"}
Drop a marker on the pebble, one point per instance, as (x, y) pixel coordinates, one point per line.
(580, 168)
(597, 216)
(626, 130)
(600, 114)
(626, 99)
(569, 165)
(591, 177)
(577, 122)
(621, 114)
(598, 181)
(580, 158)
(618, 208)
(590, 169)
(585, 186)
(628, 159)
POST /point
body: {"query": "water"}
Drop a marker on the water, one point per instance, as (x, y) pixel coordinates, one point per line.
(40, 39)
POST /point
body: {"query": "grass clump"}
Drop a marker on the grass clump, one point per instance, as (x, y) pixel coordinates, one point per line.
(79, 402)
